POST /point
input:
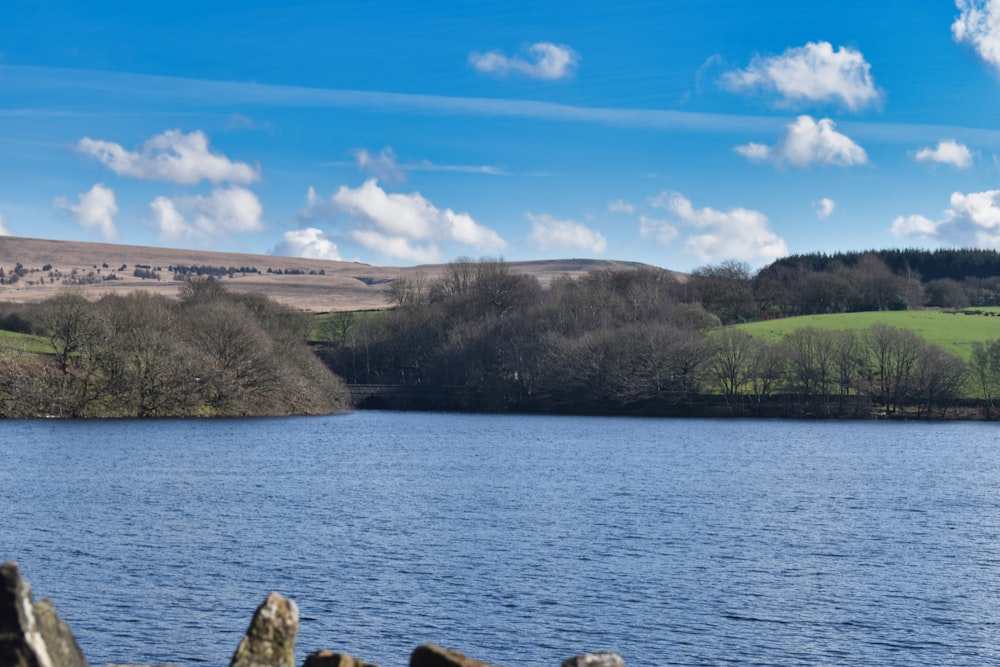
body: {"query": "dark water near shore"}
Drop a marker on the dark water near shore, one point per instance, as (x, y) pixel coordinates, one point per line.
(518, 540)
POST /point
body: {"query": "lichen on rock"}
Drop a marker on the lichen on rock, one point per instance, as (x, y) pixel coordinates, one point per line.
(270, 639)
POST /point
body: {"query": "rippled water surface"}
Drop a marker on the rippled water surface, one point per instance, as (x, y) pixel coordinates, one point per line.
(518, 540)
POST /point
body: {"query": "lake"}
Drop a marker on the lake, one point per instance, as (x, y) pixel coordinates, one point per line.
(517, 540)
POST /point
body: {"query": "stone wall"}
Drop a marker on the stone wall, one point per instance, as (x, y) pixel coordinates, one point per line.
(32, 635)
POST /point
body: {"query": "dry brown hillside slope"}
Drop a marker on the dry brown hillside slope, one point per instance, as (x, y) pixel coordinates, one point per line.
(317, 285)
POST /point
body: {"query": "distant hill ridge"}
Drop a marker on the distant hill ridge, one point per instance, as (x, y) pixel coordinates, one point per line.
(44, 267)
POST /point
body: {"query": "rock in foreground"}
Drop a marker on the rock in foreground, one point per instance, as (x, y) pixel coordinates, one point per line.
(270, 639)
(32, 635)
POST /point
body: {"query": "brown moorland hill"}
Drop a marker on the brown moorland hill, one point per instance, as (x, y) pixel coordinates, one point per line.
(48, 267)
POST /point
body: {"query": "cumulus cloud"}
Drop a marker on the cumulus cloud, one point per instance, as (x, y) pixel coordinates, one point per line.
(95, 209)
(736, 234)
(310, 243)
(173, 157)
(913, 225)
(4, 230)
(978, 24)
(544, 60)
(824, 208)
(382, 166)
(815, 72)
(401, 226)
(947, 152)
(549, 233)
(971, 220)
(808, 141)
(621, 206)
(205, 218)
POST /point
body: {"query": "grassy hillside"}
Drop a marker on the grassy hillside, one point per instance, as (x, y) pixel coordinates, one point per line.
(96, 269)
(954, 331)
(24, 342)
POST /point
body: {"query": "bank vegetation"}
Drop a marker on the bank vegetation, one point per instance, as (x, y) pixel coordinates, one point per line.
(209, 353)
(645, 342)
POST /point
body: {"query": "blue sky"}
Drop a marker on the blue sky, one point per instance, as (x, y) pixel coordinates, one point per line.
(674, 133)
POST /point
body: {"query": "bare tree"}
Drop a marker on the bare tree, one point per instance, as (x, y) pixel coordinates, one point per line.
(939, 378)
(731, 361)
(891, 356)
(69, 323)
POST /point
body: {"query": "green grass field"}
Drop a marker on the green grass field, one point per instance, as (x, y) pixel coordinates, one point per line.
(24, 342)
(953, 331)
(317, 332)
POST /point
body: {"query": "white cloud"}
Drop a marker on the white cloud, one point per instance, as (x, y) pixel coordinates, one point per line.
(173, 157)
(824, 208)
(621, 206)
(972, 220)
(736, 234)
(548, 233)
(975, 215)
(96, 209)
(382, 166)
(913, 225)
(947, 152)
(397, 247)
(755, 152)
(544, 61)
(978, 24)
(392, 224)
(815, 72)
(4, 231)
(310, 243)
(660, 230)
(205, 218)
(808, 141)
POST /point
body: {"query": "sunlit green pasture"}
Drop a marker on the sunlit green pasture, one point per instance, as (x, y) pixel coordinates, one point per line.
(322, 328)
(954, 331)
(24, 342)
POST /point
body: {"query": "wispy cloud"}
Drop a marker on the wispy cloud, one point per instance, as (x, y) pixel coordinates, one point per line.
(381, 165)
(807, 141)
(812, 73)
(4, 230)
(621, 206)
(824, 208)
(173, 157)
(386, 167)
(543, 60)
(117, 90)
(95, 209)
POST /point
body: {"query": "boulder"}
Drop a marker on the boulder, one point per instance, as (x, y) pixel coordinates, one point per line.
(600, 659)
(331, 659)
(270, 639)
(32, 635)
(431, 655)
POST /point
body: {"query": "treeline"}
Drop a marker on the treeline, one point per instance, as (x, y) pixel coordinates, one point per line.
(641, 342)
(894, 279)
(212, 353)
